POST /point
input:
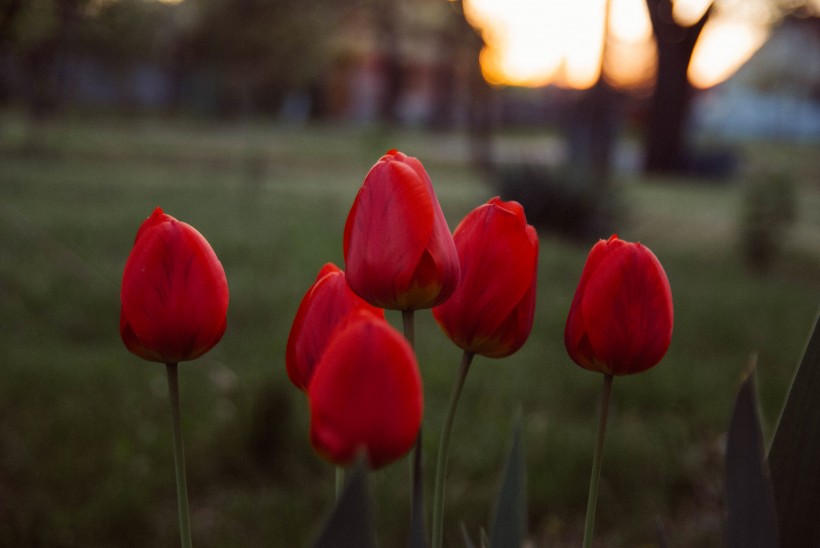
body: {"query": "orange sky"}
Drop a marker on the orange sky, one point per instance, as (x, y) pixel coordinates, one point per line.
(539, 42)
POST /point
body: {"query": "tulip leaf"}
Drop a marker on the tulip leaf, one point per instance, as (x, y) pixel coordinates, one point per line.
(468, 543)
(510, 513)
(485, 542)
(351, 523)
(418, 532)
(794, 455)
(750, 515)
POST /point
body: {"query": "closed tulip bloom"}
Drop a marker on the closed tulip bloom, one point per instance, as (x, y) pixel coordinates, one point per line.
(398, 250)
(620, 321)
(174, 292)
(365, 395)
(491, 311)
(325, 307)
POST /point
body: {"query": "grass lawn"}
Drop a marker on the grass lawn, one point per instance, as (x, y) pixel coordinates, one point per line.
(85, 452)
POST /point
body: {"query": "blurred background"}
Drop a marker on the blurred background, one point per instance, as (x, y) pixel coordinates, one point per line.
(691, 126)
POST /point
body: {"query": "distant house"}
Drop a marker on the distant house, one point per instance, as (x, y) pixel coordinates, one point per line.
(776, 94)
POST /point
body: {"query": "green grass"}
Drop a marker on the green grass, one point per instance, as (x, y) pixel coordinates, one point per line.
(85, 443)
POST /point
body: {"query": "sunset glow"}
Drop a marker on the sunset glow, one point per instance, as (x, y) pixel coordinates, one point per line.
(540, 42)
(533, 43)
(723, 47)
(629, 60)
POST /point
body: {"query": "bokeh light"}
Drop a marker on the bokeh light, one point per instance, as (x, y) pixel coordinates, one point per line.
(539, 42)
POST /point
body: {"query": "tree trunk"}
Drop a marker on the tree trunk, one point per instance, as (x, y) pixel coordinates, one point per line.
(595, 118)
(480, 120)
(669, 111)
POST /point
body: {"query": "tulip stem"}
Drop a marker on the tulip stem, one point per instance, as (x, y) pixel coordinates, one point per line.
(408, 324)
(179, 457)
(597, 459)
(340, 481)
(416, 478)
(441, 464)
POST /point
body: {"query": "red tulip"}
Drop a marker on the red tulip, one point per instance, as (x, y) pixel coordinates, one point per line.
(365, 395)
(174, 292)
(398, 250)
(325, 307)
(491, 311)
(620, 321)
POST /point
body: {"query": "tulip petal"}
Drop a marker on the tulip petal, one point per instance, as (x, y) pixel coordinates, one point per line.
(174, 293)
(491, 311)
(442, 278)
(387, 231)
(157, 216)
(575, 336)
(501, 261)
(627, 310)
(324, 309)
(513, 332)
(575, 331)
(366, 394)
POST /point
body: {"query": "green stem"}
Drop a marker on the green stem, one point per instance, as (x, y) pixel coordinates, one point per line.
(340, 481)
(441, 464)
(597, 459)
(179, 457)
(407, 323)
(416, 479)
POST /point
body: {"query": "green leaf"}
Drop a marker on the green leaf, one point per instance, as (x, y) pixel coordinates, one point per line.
(468, 543)
(750, 515)
(485, 542)
(351, 523)
(510, 513)
(794, 456)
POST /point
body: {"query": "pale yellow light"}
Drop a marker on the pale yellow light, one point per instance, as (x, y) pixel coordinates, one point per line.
(630, 56)
(536, 42)
(582, 50)
(688, 12)
(723, 47)
(629, 21)
(540, 42)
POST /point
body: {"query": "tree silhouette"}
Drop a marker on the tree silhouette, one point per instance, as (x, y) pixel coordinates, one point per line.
(665, 132)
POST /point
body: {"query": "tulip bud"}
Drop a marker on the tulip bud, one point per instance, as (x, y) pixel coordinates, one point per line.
(398, 250)
(325, 308)
(620, 321)
(174, 293)
(491, 311)
(365, 395)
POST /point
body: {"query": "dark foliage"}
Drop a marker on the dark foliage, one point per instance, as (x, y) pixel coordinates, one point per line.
(769, 208)
(560, 201)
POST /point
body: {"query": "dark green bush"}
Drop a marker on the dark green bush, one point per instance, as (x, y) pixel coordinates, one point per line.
(769, 208)
(560, 201)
